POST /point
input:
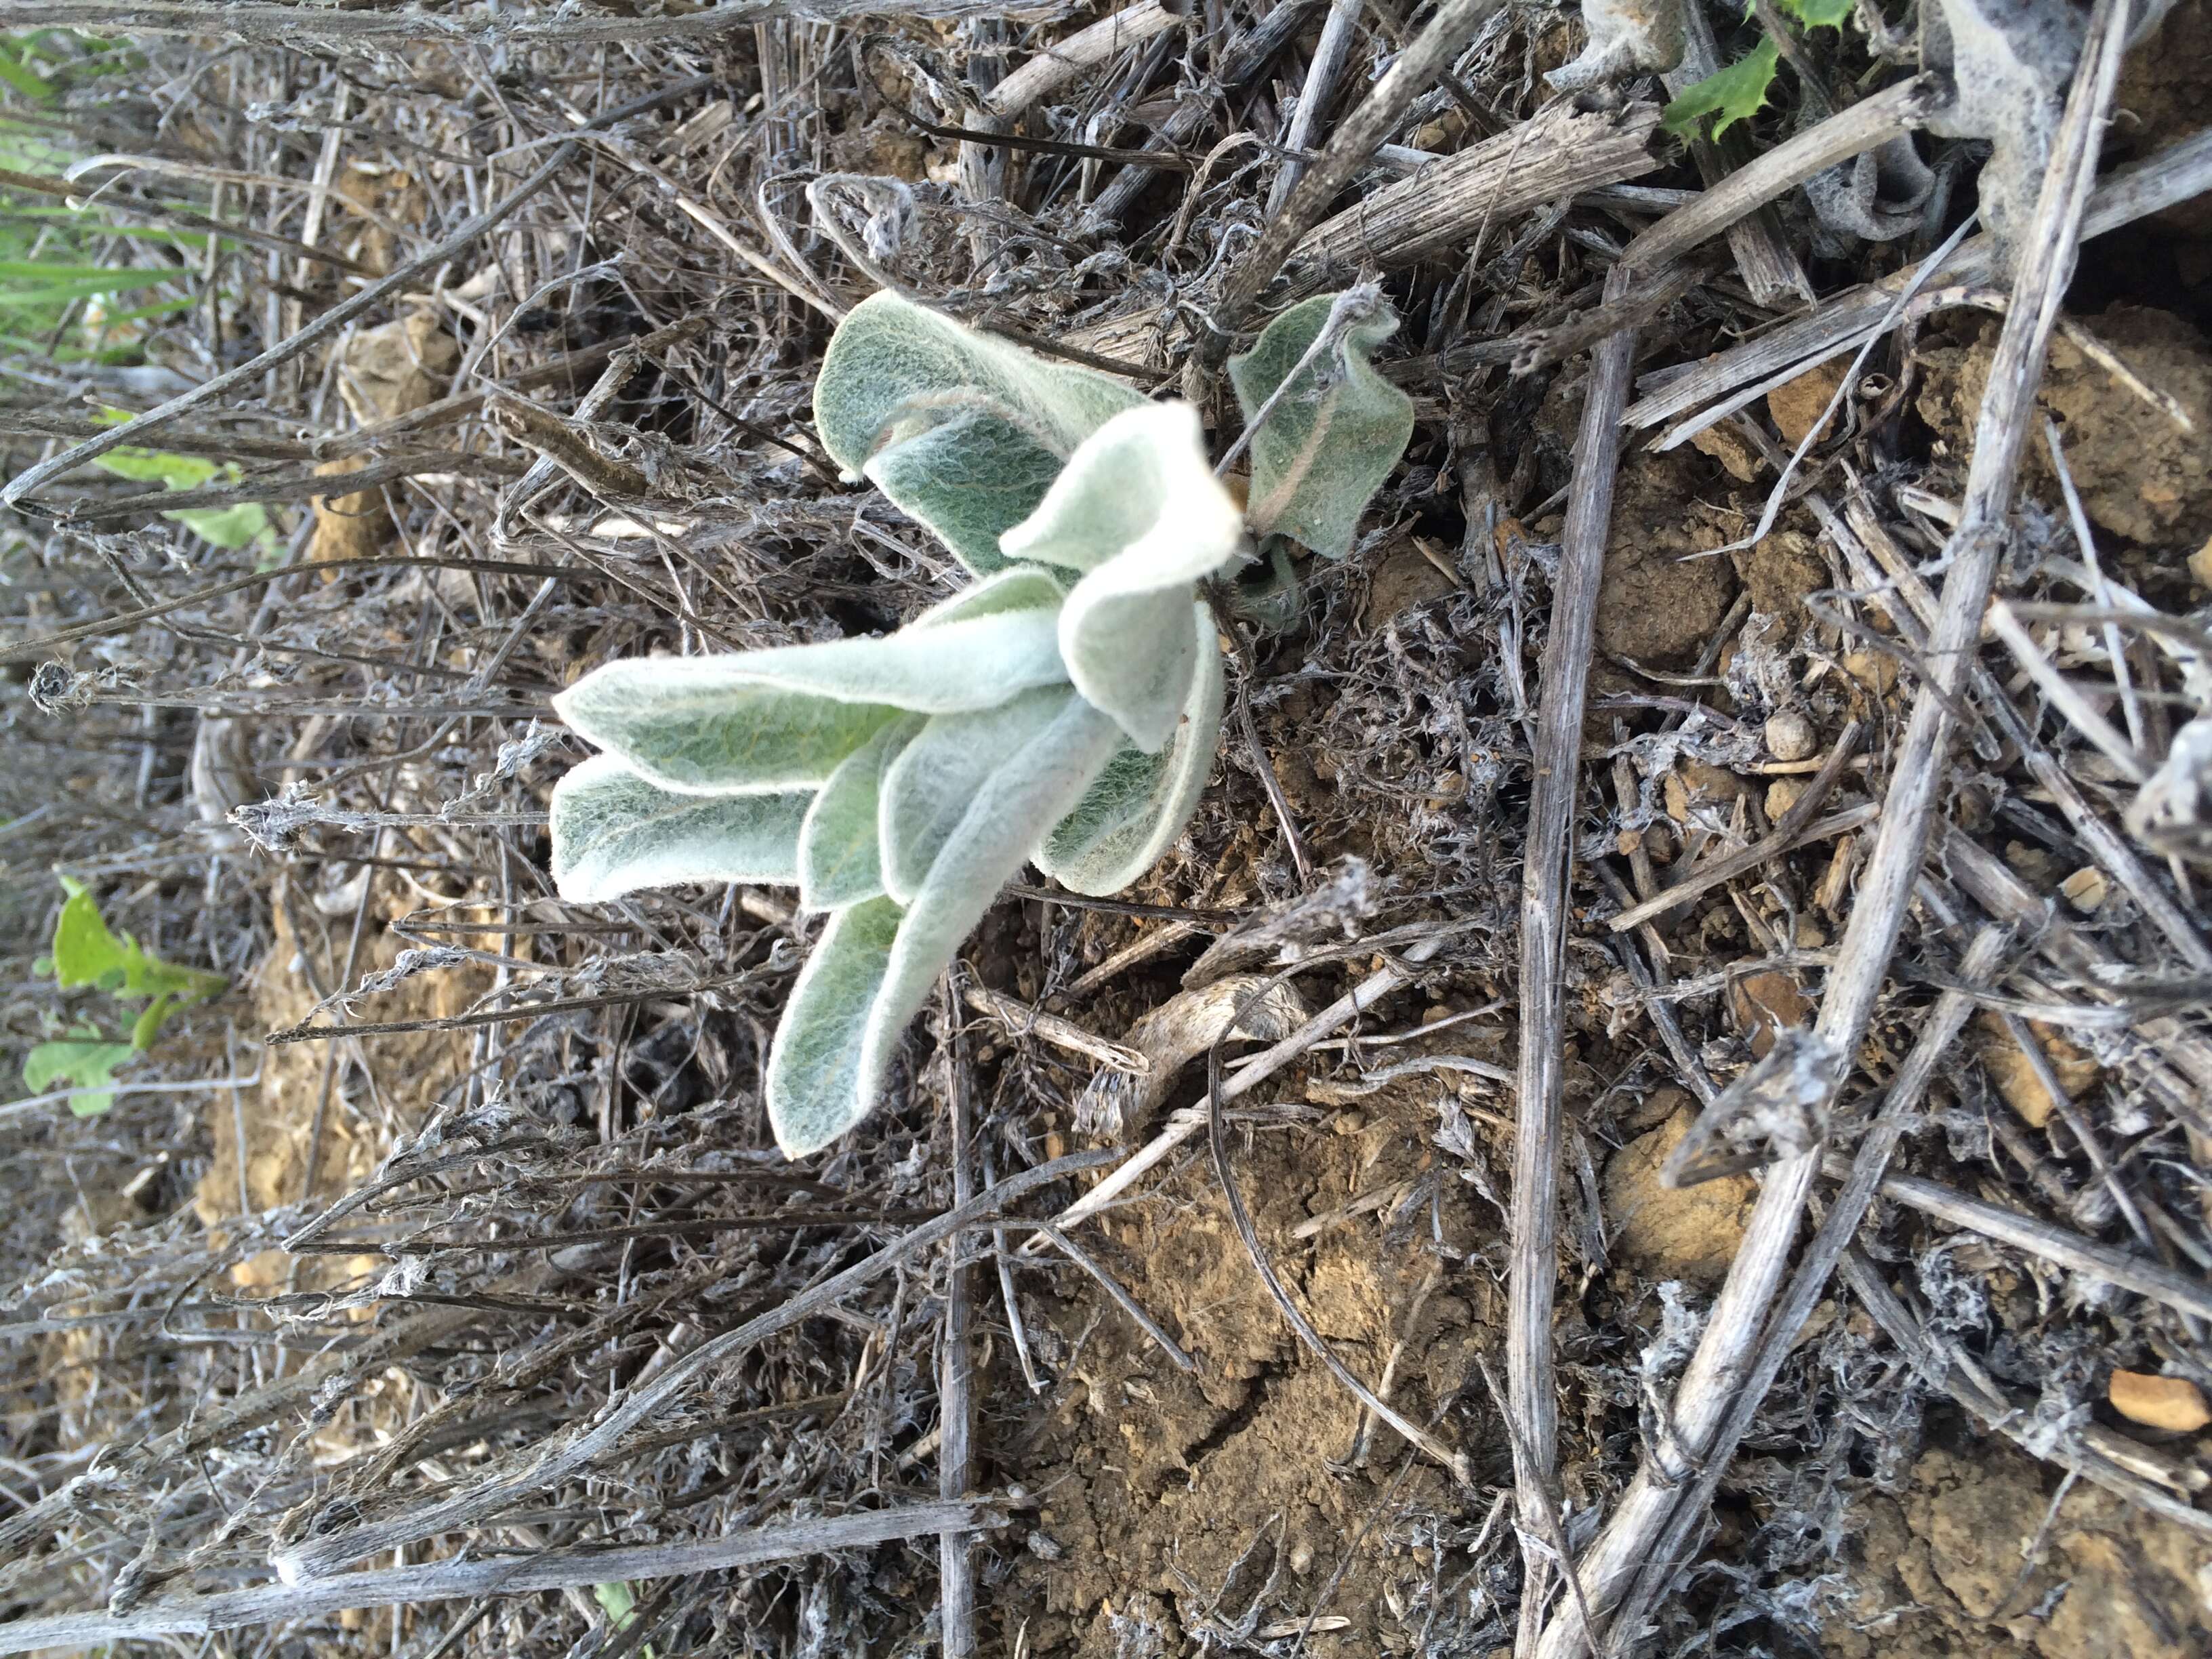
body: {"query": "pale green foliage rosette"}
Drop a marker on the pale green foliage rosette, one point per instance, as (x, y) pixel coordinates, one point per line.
(1063, 709)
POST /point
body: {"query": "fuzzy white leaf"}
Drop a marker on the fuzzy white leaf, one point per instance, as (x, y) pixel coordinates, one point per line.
(777, 719)
(875, 969)
(1140, 511)
(1333, 436)
(816, 1091)
(838, 859)
(928, 789)
(1018, 587)
(1141, 802)
(962, 430)
(613, 833)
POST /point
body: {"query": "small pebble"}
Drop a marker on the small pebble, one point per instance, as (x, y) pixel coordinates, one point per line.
(1782, 795)
(2159, 1403)
(2086, 889)
(1790, 736)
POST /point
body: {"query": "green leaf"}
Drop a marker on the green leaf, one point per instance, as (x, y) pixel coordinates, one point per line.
(1735, 94)
(16, 72)
(158, 466)
(86, 953)
(147, 1026)
(962, 430)
(1140, 511)
(875, 968)
(839, 859)
(928, 788)
(246, 525)
(613, 833)
(761, 722)
(1141, 802)
(620, 1606)
(90, 1066)
(1334, 434)
(1820, 14)
(230, 528)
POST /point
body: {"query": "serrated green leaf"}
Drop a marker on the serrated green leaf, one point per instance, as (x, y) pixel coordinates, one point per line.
(840, 861)
(90, 1066)
(1141, 802)
(963, 431)
(875, 967)
(1735, 94)
(1139, 510)
(613, 833)
(934, 780)
(771, 721)
(1820, 14)
(1333, 436)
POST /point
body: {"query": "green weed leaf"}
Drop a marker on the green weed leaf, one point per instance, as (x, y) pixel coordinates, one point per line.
(1735, 94)
(963, 431)
(1141, 802)
(246, 525)
(1820, 14)
(89, 1065)
(1140, 511)
(613, 833)
(86, 952)
(1337, 428)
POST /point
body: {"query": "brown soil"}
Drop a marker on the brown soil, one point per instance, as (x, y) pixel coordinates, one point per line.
(414, 1070)
(2140, 475)
(1175, 1506)
(1943, 1570)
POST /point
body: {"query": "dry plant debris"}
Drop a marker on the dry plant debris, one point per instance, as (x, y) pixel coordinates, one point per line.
(1692, 962)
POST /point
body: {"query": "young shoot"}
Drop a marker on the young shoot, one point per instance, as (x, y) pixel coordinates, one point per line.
(1062, 708)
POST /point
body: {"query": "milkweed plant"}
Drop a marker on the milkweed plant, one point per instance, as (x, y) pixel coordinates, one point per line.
(1062, 708)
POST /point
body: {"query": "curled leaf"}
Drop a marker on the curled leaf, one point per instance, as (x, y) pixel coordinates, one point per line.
(765, 721)
(1141, 802)
(1140, 511)
(1338, 428)
(613, 833)
(963, 431)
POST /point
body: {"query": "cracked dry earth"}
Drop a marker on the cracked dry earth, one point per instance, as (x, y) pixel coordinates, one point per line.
(1219, 1504)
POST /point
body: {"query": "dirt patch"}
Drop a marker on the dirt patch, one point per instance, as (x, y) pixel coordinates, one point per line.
(1660, 603)
(1943, 1570)
(2140, 475)
(2165, 96)
(277, 1124)
(1691, 1233)
(1179, 1507)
